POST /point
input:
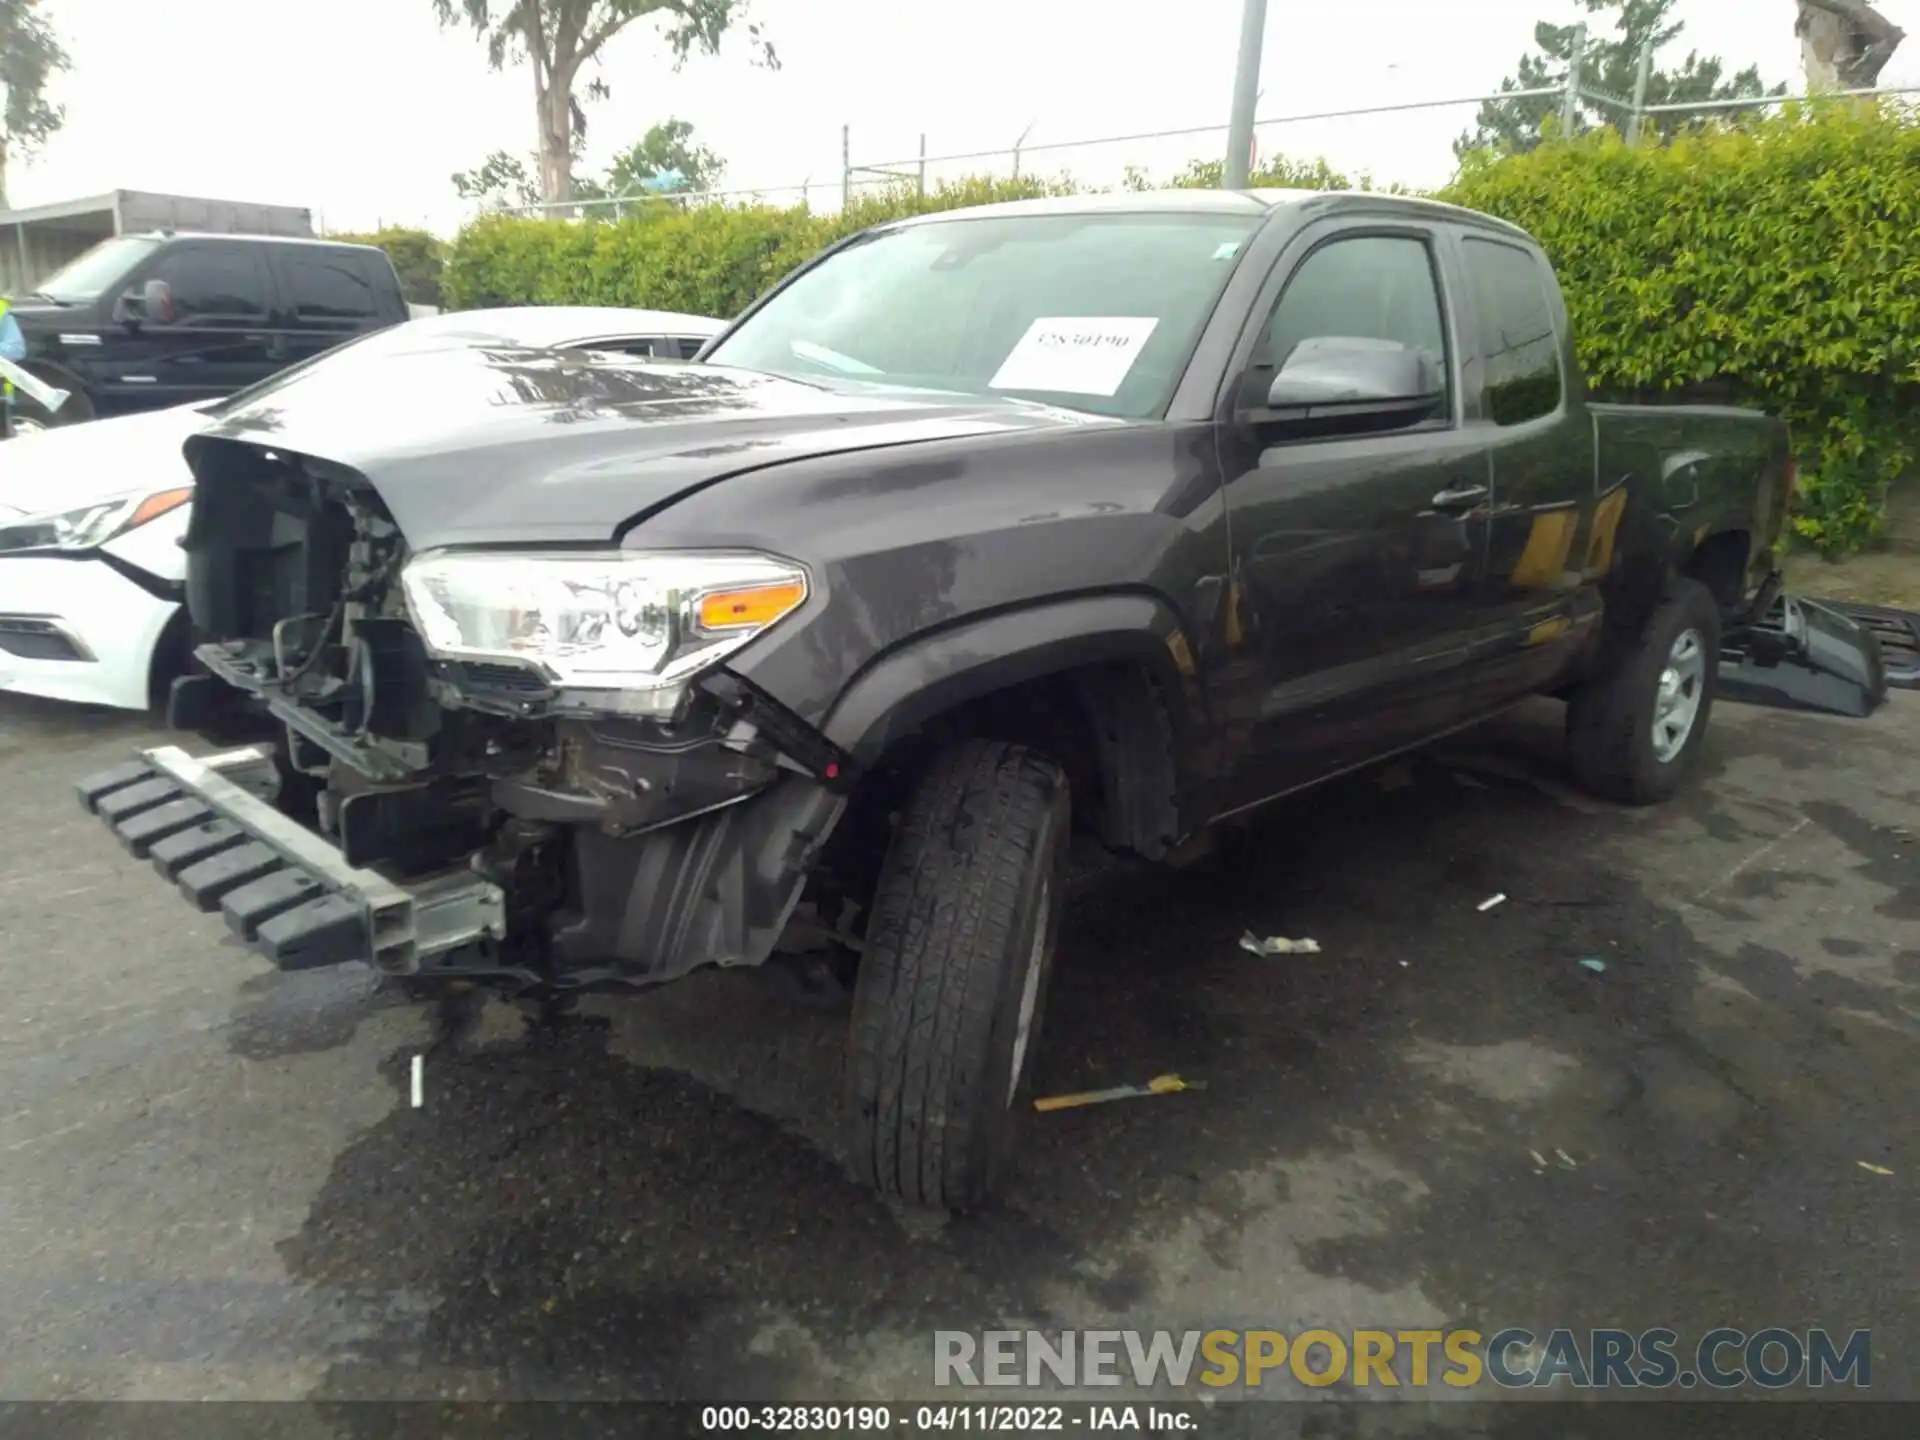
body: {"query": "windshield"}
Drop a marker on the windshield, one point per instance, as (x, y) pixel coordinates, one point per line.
(1090, 311)
(97, 271)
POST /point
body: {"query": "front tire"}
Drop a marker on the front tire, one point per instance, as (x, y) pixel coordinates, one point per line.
(28, 418)
(952, 987)
(1634, 727)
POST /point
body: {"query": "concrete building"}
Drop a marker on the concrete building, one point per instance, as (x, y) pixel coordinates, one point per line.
(38, 240)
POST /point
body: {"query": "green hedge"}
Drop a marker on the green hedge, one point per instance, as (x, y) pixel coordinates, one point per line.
(709, 260)
(1777, 265)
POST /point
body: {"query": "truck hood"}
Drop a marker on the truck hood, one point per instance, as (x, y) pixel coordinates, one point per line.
(74, 465)
(476, 444)
(38, 315)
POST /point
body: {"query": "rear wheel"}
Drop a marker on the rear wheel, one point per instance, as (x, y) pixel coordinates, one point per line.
(953, 983)
(1634, 727)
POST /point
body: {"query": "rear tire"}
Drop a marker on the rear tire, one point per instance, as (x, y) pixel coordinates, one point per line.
(1634, 726)
(952, 987)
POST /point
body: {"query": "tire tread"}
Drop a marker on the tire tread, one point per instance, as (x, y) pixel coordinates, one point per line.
(946, 909)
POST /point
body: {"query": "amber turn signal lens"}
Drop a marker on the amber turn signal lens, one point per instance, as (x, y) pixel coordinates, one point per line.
(754, 607)
(156, 505)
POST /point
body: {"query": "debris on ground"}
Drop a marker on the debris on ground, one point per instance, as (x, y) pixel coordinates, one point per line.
(419, 1081)
(1873, 1169)
(1539, 1160)
(1468, 782)
(1567, 1162)
(1593, 963)
(1159, 1085)
(1277, 945)
(1491, 901)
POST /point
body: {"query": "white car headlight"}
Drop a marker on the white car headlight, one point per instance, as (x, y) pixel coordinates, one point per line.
(86, 527)
(636, 622)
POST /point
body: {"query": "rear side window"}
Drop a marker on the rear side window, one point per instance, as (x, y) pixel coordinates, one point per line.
(213, 281)
(327, 287)
(1518, 344)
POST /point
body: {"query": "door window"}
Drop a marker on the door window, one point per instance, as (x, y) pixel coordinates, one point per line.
(1368, 287)
(327, 288)
(1518, 343)
(212, 282)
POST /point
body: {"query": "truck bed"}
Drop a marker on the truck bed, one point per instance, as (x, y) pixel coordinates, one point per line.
(1695, 468)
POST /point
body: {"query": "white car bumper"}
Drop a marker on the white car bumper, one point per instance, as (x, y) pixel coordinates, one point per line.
(78, 630)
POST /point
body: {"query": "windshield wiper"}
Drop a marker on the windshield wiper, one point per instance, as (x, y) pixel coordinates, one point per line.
(43, 295)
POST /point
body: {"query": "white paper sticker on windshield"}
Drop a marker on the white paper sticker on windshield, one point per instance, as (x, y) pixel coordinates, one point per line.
(1075, 354)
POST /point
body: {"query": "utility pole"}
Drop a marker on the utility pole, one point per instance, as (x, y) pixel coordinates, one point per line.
(1246, 90)
(846, 168)
(1021, 141)
(1642, 77)
(1570, 107)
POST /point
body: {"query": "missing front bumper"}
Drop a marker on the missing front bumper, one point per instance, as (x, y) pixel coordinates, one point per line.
(1805, 655)
(282, 888)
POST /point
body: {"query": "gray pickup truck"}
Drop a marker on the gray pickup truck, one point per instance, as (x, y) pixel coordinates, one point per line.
(1116, 514)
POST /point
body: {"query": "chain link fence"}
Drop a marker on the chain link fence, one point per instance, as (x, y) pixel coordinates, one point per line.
(1160, 154)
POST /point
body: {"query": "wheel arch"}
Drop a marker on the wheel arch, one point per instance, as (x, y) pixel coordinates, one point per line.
(1121, 662)
(79, 397)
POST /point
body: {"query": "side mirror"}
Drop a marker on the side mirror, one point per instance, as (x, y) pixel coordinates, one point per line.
(152, 302)
(156, 298)
(1348, 381)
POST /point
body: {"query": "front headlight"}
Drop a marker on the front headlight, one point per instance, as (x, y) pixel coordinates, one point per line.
(635, 622)
(87, 527)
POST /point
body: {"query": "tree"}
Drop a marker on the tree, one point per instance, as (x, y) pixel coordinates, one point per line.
(559, 37)
(1845, 44)
(667, 148)
(500, 179)
(1607, 66)
(30, 55)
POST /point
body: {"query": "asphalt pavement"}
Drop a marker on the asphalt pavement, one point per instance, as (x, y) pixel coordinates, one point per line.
(212, 1183)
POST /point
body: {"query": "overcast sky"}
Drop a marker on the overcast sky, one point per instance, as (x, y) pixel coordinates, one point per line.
(361, 109)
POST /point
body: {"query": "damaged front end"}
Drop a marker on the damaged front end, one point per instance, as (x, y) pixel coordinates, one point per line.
(517, 766)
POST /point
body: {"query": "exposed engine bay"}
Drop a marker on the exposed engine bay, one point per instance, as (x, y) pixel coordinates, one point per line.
(627, 847)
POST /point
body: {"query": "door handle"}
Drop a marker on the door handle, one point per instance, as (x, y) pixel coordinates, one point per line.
(1460, 497)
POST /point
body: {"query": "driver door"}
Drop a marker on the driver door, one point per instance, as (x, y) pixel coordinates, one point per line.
(1358, 554)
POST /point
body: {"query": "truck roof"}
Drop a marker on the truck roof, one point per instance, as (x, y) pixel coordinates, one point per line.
(1213, 202)
(307, 240)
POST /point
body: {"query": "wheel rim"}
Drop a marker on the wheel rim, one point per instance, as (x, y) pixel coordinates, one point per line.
(1029, 999)
(1676, 704)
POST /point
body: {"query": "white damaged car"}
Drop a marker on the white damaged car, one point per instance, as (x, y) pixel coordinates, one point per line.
(92, 515)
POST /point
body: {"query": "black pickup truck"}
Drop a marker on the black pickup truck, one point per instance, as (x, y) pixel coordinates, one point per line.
(142, 322)
(1118, 514)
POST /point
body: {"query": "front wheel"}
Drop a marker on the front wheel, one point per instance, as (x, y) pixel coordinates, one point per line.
(953, 983)
(28, 418)
(1634, 726)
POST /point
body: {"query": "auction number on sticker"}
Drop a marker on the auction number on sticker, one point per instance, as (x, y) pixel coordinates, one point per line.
(757, 1419)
